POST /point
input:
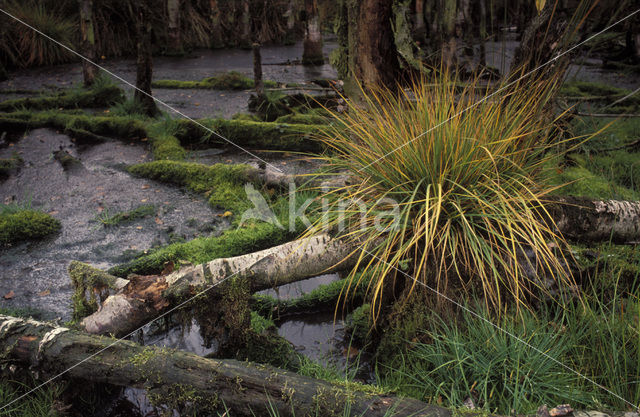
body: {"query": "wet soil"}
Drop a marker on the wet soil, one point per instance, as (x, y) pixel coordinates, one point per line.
(279, 64)
(97, 186)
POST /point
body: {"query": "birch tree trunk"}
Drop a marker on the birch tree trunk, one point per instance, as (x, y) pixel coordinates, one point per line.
(312, 45)
(186, 382)
(88, 41)
(145, 297)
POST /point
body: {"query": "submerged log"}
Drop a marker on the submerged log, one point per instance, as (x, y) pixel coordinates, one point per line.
(182, 380)
(144, 297)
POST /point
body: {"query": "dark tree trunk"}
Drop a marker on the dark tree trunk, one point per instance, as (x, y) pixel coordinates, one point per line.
(447, 19)
(312, 45)
(144, 60)
(174, 46)
(257, 69)
(88, 42)
(245, 22)
(376, 58)
(217, 40)
(633, 38)
(187, 382)
(542, 40)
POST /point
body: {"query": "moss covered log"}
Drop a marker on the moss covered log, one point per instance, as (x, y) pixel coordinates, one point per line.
(108, 126)
(188, 382)
(255, 135)
(21, 225)
(231, 80)
(98, 96)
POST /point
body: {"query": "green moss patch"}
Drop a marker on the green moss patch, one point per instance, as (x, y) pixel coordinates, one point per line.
(256, 135)
(109, 218)
(233, 242)
(118, 127)
(222, 184)
(98, 96)
(231, 80)
(25, 224)
(324, 297)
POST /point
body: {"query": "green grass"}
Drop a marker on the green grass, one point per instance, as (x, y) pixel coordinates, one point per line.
(7, 165)
(465, 191)
(37, 404)
(596, 169)
(108, 218)
(18, 224)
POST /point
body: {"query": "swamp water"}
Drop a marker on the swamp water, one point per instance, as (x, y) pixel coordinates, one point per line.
(35, 272)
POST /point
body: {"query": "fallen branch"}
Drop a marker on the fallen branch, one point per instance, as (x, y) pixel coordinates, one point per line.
(182, 380)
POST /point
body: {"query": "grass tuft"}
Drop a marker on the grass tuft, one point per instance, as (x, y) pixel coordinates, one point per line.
(454, 188)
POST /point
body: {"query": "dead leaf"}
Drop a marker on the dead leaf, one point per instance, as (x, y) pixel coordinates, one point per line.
(158, 221)
(144, 187)
(560, 410)
(9, 295)
(43, 293)
(144, 139)
(139, 227)
(53, 213)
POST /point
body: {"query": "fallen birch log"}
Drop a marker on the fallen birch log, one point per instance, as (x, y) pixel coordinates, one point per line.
(143, 298)
(178, 379)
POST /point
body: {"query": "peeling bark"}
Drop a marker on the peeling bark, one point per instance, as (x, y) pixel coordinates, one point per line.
(582, 219)
(186, 381)
(145, 297)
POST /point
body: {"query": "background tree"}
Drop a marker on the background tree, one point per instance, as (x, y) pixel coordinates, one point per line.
(144, 60)
(174, 46)
(88, 41)
(312, 45)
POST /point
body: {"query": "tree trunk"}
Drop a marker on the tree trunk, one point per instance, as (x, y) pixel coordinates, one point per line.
(312, 45)
(257, 70)
(542, 40)
(145, 297)
(245, 21)
(88, 42)
(187, 382)
(448, 12)
(174, 46)
(217, 40)
(144, 61)
(376, 58)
